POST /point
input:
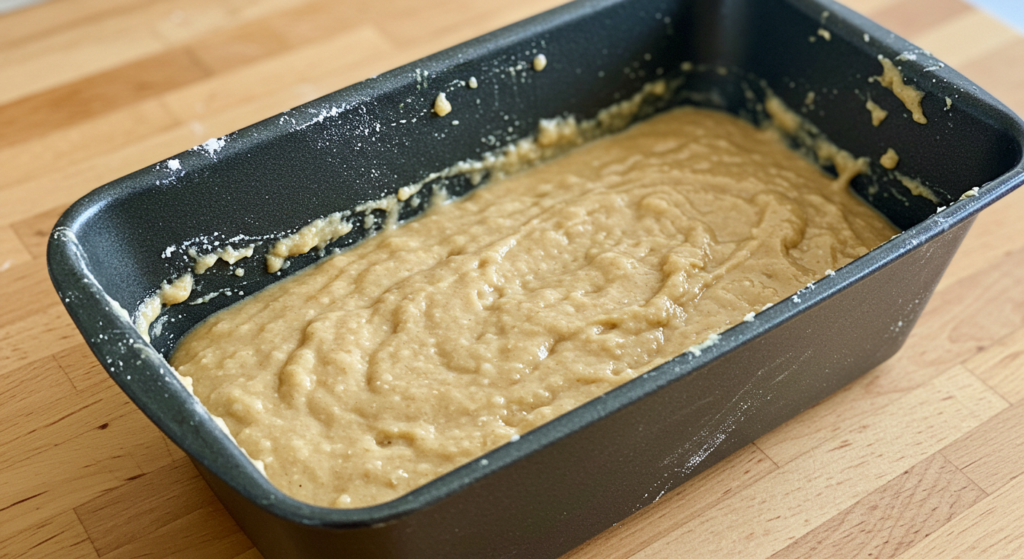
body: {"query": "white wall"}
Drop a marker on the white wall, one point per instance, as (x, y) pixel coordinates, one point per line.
(1010, 11)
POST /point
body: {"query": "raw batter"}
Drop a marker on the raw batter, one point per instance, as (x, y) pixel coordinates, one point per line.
(418, 350)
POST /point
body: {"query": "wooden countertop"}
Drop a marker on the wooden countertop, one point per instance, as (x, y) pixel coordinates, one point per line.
(919, 458)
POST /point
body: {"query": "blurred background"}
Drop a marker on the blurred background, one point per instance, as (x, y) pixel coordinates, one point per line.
(1010, 11)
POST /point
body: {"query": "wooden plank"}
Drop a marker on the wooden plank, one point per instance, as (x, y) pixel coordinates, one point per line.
(75, 180)
(76, 54)
(234, 89)
(251, 554)
(34, 232)
(991, 453)
(251, 10)
(121, 38)
(105, 456)
(28, 393)
(69, 183)
(433, 26)
(210, 534)
(791, 501)
(89, 377)
(37, 115)
(64, 185)
(963, 319)
(683, 504)
(301, 26)
(69, 416)
(12, 251)
(455, 24)
(1002, 366)
(871, 7)
(316, 21)
(184, 21)
(990, 529)
(238, 46)
(893, 517)
(92, 404)
(82, 368)
(26, 291)
(61, 536)
(47, 18)
(144, 505)
(34, 337)
(82, 141)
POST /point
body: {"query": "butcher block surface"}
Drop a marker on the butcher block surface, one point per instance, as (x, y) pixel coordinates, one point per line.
(920, 458)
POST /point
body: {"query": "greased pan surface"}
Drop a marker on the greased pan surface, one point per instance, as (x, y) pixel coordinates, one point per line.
(566, 481)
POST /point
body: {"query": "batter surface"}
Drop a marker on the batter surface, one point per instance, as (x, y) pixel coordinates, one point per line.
(425, 346)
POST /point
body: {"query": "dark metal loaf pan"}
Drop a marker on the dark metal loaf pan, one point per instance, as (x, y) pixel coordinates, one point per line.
(571, 478)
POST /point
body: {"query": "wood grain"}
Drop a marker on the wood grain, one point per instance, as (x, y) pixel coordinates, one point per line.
(52, 110)
(144, 505)
(12, 251)
(990, 454)
(59, 536)
(990, 529)
(1001, 366)
(920, 458)
(81, 141)
(894, 517)
(34, 231)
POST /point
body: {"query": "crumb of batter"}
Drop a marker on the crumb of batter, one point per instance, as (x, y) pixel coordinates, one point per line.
(878, 114)
(169, 294)
(890, 159)
(441, 105)
(847, 165)
(969, 194)
(227, 254)
(317, 234)
(892, 79)
(917, 188)
(540, 62)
